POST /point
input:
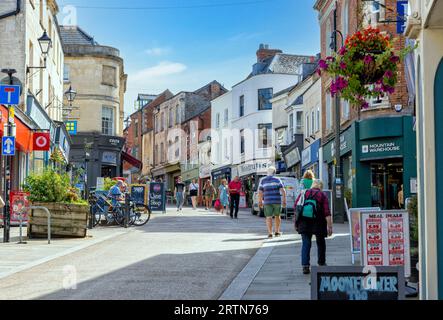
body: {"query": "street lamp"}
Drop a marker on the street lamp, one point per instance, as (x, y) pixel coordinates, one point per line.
(70, 95)
(45, 44)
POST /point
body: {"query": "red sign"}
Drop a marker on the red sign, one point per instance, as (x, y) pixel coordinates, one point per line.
(41, 141)
(18, 203)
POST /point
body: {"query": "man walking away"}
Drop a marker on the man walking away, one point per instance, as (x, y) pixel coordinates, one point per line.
(270, 194)
(234, 193)
(179, 193)
(314, 218)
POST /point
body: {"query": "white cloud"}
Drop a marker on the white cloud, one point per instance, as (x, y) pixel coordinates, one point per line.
(246, 36)
(158, 51)
(164, 68)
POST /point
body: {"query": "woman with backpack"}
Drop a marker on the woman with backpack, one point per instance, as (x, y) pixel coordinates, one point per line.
(313, 218)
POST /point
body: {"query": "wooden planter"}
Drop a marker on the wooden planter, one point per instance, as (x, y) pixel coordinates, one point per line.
(67, 220)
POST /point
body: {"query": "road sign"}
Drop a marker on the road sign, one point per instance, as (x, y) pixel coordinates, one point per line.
(41, 141)
(402, 9)
(8, 146)
(9, 95)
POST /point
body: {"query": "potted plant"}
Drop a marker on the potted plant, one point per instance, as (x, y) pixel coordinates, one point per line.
(413, 224)
(366, 67)
(69, 214)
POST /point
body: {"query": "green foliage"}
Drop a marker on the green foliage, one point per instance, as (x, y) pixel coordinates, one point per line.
(348, 196)
(413, 214)
(49, 186)
(109, 183)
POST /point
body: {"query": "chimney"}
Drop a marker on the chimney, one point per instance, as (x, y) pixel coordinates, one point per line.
(264, 52)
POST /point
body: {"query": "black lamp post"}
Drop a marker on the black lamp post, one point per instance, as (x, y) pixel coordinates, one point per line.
(70, 95)
(45, 44)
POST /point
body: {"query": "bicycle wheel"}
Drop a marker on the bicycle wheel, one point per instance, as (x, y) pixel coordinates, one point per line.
(119, 216)
(96, 215)
(142, 216)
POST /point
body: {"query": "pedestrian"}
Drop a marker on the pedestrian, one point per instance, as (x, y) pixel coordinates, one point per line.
(193, 192)
(209, 194)
(308, 179)
(179, 192)
(234, 189)
(272, 198)
(314, 218)
(116, 192)
(223, 195)
(401, 198)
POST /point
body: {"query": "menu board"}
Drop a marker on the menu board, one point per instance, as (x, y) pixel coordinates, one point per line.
(385, 239)
(157, 196)
(139, 193)
(357, 283)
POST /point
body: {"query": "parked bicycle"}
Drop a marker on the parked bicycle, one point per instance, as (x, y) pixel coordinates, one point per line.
(102, 207)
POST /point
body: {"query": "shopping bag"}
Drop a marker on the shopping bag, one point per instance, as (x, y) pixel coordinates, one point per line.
(217, 205)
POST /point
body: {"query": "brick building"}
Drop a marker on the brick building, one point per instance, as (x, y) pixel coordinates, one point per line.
(377, 145)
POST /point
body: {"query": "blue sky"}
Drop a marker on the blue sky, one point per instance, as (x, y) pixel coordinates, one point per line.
(184, 44)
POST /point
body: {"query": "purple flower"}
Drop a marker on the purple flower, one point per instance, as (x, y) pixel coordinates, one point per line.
(342, 51)
(342, 65)
(338, 85)
(394, 59)
(319, 71)
(330, 59)
(388, 74)
(364, 105)
(368, 59)
(388, 89)
(323, 65)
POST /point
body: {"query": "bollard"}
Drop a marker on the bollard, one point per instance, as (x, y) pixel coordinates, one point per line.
(127, 204)
(21, 226)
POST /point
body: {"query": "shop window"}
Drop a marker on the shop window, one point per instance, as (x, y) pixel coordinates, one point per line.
(386, 183)
(264, 97)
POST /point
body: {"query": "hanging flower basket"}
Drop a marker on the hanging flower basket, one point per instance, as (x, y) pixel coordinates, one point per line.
(366, 67)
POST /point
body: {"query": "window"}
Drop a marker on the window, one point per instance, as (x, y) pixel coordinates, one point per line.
(328, 37)
(136, 128)
(108, 120)
(162, 152)
(217, 120)
(162, 121)
(242, 105)
(135, 152)
(317, 128)
(291, 127)
(307, 126)
(312, 122)
(328, 111)
(225, 148)
(156, 155)
(299, 123)
(177, 151)
(264, 95)
(31, 63)
(226, 117)
(66, 72)
(109, 76)
(345, 109)
(177, 115)
(264, 131)
(171, 117)
(242, 141)
(345, 19)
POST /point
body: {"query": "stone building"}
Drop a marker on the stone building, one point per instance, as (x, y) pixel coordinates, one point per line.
(377, 144)
(39, 71)
(96, 72)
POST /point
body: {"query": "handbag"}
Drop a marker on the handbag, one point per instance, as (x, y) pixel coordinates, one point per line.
(217, 205)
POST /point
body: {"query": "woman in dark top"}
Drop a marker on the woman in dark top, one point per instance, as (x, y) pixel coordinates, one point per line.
(320, 225)
(179, 192)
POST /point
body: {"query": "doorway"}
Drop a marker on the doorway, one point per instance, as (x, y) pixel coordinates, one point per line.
(109, 171)
(386, 183)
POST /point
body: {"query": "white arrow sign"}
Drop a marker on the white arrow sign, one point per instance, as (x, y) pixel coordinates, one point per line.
(8, 143)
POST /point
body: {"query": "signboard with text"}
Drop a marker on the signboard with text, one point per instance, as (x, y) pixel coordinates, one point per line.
(157, 196)
(357, 283)
(19, 204)
(402, 10)
(381, 149)
(385, 239)
(139, 194)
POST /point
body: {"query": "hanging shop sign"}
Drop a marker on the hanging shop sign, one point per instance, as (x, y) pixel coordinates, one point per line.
(385, 239)
(41, 141)
(357, 283)
(292, 158)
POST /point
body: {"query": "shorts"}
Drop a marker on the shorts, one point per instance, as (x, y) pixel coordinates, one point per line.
(193, 193)
(272, 210)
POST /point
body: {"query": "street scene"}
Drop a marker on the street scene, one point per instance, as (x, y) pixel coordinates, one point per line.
(227, 151)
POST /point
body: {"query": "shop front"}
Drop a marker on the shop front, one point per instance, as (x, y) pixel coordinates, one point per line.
(292, 159)
(378, 161)
(221, 173)
(310, 158)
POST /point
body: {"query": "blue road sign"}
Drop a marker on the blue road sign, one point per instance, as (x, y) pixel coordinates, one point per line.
(9, 95)
(402, 10)
(8, 146)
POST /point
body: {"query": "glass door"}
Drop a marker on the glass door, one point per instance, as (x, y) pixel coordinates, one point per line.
(386, 184)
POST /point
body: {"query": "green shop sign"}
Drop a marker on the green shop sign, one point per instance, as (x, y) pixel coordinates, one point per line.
(346, 141)
(381, 148)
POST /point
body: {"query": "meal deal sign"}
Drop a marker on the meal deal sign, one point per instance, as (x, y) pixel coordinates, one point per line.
(385, 239)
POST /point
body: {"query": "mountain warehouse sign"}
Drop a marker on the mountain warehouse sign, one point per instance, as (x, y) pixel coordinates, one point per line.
(381, 149)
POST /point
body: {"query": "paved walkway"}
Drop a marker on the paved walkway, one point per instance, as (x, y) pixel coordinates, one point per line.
(275, 272)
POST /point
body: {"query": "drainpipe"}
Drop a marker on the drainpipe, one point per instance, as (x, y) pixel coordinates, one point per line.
(12, 13)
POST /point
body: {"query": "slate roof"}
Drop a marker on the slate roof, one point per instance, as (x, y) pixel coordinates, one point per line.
(75, 35)
(195, 104)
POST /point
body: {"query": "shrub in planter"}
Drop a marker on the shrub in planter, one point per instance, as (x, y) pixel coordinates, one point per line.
(366, 67)
(69, 214)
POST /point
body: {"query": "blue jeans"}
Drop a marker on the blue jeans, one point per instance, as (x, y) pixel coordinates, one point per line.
(306, 249)
(179, 199)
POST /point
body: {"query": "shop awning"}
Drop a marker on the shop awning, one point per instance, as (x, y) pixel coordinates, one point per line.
(23, 132)
(131, 160)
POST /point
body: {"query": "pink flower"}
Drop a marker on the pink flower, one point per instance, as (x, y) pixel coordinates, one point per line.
(342, 65)
(364, 105)
(330, 59)
(323, 65)
(388, 74)
(388, 89)
(394, 59)
(338, 85)
(319, 71)
(342, 51)
(368, 59)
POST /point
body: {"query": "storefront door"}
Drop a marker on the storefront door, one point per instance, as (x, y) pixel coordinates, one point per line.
(386, 183)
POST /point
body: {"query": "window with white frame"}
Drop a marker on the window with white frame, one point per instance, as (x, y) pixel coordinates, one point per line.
(317, 127)
(346, 109)
(217, 121)
(66, 72)
(328, 37)
(299, 122)
(328, 111)
(264, 137)
(345, 18)
(226, 118)
(307, 125)
(107, 120)
(312, 122)
(291, 127)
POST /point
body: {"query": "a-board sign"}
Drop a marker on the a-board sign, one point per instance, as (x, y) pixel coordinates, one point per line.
(385, 239)
(157, 196)
(139, 194)
(357, 283)
(18, 205)
(354, 228)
